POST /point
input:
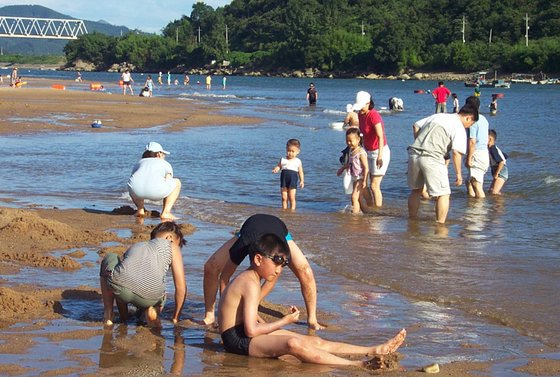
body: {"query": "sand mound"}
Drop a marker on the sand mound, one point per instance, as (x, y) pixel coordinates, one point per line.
(18, 306)
(384, 363)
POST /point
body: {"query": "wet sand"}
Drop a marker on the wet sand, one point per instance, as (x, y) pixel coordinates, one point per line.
(41, 330)
(35, 107)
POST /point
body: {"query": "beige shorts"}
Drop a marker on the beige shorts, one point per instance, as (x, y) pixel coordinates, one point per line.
(372, 161)
(481, 161)
(429, 171)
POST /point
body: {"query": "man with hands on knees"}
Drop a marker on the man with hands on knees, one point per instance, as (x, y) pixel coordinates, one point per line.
(219, 268)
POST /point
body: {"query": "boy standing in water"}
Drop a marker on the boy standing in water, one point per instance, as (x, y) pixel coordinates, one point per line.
(497, 164)
(292, 169)
(242, 333)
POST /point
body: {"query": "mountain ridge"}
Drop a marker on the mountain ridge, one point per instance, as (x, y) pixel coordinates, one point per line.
(30, 46)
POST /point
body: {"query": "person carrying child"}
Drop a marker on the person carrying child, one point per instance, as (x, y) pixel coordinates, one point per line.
(357, 165)
(497, 164)
(139, 278)
(291, 170)
(243, 333)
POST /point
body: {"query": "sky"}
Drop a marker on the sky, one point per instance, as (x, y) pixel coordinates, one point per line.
(146, 15)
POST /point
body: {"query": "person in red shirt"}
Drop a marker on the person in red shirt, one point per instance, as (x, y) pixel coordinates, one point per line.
(441, 94)
(375, 144)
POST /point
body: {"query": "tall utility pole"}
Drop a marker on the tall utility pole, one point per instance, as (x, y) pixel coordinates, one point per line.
(463, 30)
(526, 29)
(363, 32)
(177, 36)
(227, 41)
(490, 38)
(198, 35)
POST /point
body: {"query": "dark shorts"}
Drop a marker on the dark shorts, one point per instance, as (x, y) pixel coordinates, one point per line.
(236, 341)
(289, 179)
(126, 83)
(252, 230)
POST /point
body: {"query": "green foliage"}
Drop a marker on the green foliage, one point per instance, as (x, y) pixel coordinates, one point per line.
(338, 35)
(33, 59)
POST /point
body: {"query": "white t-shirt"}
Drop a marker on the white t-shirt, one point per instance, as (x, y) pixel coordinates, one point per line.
(126, 77)
(148, 179)
(293, 164)
(438, 134)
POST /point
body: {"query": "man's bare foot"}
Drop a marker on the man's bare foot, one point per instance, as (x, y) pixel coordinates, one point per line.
(165, 216)
(316, 326)
(391, 345)
(108, 322)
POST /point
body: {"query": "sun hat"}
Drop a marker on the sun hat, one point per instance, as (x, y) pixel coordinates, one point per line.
(362, 99)
(155, 147)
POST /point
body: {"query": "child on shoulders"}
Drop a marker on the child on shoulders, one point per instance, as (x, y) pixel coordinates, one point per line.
(292, 171)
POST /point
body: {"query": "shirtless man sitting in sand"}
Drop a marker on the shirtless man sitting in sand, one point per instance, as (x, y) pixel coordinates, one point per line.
(242, 332)
(139, 278)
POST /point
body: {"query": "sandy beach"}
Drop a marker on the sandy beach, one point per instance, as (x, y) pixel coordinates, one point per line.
(36, 322)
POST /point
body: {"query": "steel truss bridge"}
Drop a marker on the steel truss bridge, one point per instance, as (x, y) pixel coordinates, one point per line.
(45, 28)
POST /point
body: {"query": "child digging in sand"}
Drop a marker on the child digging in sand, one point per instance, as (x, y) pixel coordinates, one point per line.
(139, 278)
(242, 333)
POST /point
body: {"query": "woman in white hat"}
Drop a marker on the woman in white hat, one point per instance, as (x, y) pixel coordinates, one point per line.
(152, 179)
(375, 143)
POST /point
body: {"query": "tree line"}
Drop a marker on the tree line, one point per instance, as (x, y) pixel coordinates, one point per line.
(385, 36)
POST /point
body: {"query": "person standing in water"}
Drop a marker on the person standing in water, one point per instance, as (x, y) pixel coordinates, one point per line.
(312, 94)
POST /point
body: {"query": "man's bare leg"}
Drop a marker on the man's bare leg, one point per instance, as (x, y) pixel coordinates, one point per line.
(414, 202)
(212, 271)
(300, 267)
(478, 189)
(442, 207)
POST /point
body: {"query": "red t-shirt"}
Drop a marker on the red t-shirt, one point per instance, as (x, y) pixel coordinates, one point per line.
(441, 93)
(367, 127)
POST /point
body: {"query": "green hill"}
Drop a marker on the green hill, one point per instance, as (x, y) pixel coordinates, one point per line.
(30, 46)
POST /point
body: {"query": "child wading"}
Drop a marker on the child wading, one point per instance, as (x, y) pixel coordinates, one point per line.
(357, 166)
(292, 170)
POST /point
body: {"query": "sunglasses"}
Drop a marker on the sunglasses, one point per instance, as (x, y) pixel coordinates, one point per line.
(279, 260)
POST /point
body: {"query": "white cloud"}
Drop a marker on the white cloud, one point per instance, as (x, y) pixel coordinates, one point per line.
(146, 15)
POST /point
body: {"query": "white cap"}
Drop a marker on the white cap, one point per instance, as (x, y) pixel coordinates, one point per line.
(155, 147)
(362, 99)
(349, 108)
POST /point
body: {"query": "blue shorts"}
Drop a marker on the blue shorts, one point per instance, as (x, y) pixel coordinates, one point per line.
(503, 173)
(289, 179)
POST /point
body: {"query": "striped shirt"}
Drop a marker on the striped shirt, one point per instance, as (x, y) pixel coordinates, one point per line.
(144, 267)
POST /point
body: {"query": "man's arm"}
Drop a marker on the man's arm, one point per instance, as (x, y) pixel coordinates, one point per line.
(471, 147)
(457, 158)
(250, 300)
(179, 280)
(415, 130)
